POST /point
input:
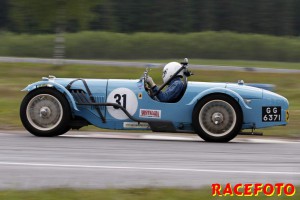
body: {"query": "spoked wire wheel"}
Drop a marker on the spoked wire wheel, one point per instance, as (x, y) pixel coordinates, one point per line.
(45, 112)
(217, 118)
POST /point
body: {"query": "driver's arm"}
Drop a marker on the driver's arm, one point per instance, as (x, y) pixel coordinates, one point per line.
(171, 92)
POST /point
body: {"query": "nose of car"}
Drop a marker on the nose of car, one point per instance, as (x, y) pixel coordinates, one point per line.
(247, 92)
(275, 98)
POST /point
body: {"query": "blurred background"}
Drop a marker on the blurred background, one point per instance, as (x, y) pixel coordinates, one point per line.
(274, 17)
(250, 34)
(246, 34)
(129, 29)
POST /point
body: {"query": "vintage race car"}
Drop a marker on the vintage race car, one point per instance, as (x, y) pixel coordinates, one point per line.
(217, 112)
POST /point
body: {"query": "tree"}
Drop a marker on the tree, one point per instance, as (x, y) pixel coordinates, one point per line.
(276, 17)
(104, 16)
(3, 14)
(43, 16)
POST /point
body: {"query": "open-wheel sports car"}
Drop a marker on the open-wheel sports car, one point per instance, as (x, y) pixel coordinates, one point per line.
(217, 112)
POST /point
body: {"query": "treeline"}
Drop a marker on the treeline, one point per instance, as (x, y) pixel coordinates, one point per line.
(275, 17)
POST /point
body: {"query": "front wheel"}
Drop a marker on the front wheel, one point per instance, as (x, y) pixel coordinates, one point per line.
(45, 112)
(217, 118)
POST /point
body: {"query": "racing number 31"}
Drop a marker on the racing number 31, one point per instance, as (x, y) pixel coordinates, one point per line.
(122, 97)
(121, 100)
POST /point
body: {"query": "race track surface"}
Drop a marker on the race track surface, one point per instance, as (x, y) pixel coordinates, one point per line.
(143, 64)
(132, 160)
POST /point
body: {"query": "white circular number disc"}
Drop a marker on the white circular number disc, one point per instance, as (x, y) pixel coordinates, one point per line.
(124, 97)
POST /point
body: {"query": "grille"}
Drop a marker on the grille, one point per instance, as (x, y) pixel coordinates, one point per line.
(81, 96)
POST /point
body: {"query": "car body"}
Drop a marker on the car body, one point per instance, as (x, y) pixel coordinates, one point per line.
(217, 112)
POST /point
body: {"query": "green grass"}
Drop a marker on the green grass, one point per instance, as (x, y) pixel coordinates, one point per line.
(125, 194)
(16, 76)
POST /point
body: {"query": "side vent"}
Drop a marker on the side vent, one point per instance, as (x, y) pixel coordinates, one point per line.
(81, 97)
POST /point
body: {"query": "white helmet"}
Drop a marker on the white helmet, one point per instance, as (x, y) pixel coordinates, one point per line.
(170, 69)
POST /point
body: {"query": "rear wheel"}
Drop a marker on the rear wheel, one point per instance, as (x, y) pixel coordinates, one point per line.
(217, 118)
(45, 112)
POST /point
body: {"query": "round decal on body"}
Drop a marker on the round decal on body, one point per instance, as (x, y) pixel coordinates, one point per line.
(124, 97)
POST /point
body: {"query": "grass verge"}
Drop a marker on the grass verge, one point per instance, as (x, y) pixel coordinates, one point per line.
(16, 76)
(125, 194)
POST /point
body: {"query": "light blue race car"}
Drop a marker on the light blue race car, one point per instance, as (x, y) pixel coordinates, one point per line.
(217, 112)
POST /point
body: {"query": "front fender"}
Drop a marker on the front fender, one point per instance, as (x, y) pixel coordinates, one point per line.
(220, 90)
(57, 86)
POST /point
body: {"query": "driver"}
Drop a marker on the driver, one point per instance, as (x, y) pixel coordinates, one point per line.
(175, 87)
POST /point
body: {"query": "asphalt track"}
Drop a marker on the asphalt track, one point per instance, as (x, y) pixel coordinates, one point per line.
(143, 64)
(133, 160)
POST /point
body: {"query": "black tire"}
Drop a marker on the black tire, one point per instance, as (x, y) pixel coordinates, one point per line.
(50, 113)
(217, 118)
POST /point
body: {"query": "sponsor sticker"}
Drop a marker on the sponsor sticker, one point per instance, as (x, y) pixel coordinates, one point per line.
(147, 113)
(135, 125)
(140, 96)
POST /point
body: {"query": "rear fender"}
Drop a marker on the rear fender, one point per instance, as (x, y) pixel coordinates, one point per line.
(225, 91)
(57, 86)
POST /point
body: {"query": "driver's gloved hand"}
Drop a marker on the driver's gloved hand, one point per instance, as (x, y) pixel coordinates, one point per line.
(150, 82)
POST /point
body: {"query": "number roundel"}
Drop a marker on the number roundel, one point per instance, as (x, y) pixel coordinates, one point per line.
(124, 97)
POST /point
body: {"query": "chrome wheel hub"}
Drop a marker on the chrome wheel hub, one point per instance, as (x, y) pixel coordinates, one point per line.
(217, 118)
(45, 112)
